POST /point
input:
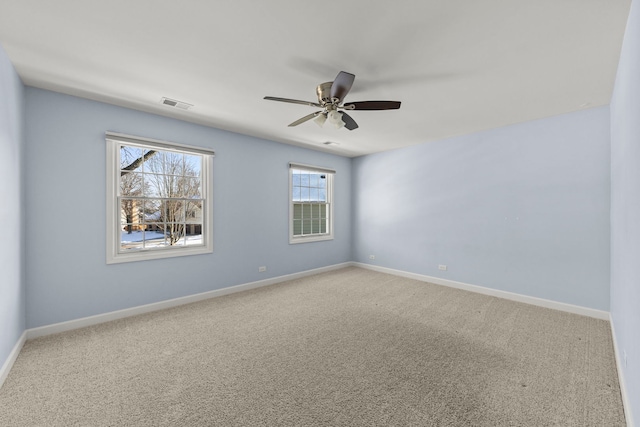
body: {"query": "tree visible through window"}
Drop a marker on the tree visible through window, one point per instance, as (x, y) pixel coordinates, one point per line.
(161, 198)
(310, 200)
(165, 191)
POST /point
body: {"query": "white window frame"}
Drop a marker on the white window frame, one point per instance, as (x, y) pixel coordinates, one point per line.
(114, 254)
(330, 182)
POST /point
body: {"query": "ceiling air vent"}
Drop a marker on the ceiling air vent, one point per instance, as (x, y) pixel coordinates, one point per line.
(177, 104)
(330, 143)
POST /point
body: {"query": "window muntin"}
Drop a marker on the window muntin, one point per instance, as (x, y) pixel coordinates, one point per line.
(310, 194)
(159, 200)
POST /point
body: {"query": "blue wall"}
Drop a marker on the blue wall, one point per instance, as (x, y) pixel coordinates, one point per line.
(524, 208)
(625, 208)
(67, 277)
(12, 288)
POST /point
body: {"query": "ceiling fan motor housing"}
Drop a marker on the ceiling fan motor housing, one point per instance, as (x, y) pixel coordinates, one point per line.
(324, 92)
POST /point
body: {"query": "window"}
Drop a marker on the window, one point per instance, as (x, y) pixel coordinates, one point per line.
(310, 207)
(159, 199)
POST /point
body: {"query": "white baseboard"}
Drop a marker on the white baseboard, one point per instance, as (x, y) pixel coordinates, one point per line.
(623, 389)
(119, 314)
(576, 309)
(133, 311)
(8, 364)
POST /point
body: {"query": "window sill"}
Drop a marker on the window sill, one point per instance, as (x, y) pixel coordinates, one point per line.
(309, 239)
(143, 255)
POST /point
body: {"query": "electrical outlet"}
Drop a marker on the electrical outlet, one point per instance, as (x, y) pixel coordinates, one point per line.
(262, 269)
(442, 267)
(372, 257)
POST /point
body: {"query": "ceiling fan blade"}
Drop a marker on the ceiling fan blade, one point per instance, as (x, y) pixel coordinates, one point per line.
(342, 85)
(293, 101)
(305, 118)
(372, 105)
(349, 123)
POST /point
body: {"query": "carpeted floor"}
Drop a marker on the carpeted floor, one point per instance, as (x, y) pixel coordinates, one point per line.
(350, 347)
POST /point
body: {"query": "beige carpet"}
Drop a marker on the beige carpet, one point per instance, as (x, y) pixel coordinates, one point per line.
(351, 347)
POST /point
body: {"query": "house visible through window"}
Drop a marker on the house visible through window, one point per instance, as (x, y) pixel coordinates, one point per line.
(311, 209)
(158, 199)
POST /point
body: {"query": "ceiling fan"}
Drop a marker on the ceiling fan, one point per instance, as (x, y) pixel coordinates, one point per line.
(331, 100)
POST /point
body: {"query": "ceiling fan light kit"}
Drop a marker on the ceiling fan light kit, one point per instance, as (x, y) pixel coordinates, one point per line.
(320, 119)
(336, 119)
(330, 98)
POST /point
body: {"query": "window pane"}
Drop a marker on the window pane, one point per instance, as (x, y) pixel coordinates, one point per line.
(172, 211)
(149, 154)
(128, 155)
(126, 207)
(313, 180)
(323, 210)
(174, 233)
(153, 185)
(171, 186)
(315, 211)
(188, 188)
(306, 211)
(163, 162)
(172, 164)
(296, 178)
(193, 235)
(304, 179)
(297, 227)
(151, 211)
(193, 212)
(304, 194)
(192, 165)
(296, 194)
(323, 226)
(313, 195)
(322, 195)
(131, 241)
(154, 235)
(297, 211)
(130, 183)
(306, 226)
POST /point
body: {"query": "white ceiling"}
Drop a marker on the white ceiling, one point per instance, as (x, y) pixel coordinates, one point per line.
(458, 66)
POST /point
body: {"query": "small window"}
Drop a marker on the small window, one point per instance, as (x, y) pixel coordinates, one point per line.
(159, 199)
(310, 203)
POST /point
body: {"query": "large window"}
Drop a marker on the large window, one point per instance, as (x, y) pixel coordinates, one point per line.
(159, 199)
(310, 203)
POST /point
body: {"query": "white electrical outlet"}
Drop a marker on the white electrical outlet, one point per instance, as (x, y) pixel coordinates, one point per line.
(372, 257)
(442, 267)
(262, 269)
